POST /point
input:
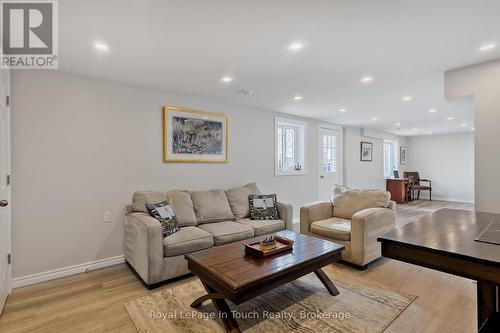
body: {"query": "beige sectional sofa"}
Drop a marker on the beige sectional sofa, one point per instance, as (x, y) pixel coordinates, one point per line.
(355, 219)
(206, 219)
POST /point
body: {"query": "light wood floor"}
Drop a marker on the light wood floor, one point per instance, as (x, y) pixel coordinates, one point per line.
(93, 302)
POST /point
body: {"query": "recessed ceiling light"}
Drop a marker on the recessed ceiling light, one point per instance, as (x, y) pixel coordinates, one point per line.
(366, 79)
(295, 46)
(227, 79)
(450, 118)
(374, 118)
(297, 98)
(472, 128)
(463, 124)
(343, 110)
(406, 99)
(101, 46)
(415, 129)
(432, 110)
(487, 47)
(397, 124)
(245, 93)
(429, 133)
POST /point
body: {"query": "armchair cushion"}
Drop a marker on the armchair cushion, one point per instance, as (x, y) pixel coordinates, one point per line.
(334, 228)
(238, 199)
(211, 206)
(352, 201)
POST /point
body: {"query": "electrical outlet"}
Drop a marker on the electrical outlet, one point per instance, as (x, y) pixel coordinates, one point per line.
(107, 217)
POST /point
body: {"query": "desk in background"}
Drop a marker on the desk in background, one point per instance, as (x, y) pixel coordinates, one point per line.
(399, 189)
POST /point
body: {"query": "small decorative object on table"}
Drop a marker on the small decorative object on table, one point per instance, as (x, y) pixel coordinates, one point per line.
(269, 246)
(268, 243)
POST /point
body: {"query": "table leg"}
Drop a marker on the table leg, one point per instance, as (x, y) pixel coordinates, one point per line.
(327, 282)
(206, 297)
(487, 302)
(221, 306)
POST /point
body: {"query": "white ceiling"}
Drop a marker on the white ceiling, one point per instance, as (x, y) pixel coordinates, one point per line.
(187, 46)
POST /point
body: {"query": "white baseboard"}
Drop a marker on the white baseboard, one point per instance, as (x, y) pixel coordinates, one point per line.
(447, 199)
(66, 271)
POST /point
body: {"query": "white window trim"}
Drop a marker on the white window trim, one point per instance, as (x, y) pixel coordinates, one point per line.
(302, 137)
(395, 147)
(340, 147)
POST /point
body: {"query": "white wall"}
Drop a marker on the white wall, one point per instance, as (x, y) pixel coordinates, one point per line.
(82, 146)
(360, 174)
(482, 81)
(447, 160)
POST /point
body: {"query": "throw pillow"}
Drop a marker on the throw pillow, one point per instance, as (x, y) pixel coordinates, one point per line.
(263, 207)
(165, 215)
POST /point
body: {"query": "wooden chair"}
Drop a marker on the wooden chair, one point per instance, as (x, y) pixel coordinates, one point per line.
(415, 180)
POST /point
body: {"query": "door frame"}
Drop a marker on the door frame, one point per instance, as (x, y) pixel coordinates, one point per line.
(8, 172)
(340, 151)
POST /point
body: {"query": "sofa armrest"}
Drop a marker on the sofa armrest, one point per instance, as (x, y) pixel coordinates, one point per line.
(366, 226)
(314, 211)
(143, 245)
(285, 212)
(392, 205)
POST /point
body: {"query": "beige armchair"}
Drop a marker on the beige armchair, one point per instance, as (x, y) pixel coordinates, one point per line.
(355, 219)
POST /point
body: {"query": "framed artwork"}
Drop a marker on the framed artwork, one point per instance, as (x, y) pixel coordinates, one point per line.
(194, 136)
(366, 151)
(402, 155)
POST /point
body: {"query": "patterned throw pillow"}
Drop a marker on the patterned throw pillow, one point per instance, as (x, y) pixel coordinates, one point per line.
(263, 207)
(165, 215)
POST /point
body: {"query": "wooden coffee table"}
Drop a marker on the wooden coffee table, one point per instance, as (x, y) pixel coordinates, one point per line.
(227, 273)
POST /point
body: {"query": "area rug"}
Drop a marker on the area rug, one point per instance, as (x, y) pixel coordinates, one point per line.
(300, 306)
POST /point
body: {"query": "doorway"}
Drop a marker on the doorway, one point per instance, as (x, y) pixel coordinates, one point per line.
(330, 160)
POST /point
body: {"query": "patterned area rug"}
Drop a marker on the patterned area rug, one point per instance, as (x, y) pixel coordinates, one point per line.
(300, 306)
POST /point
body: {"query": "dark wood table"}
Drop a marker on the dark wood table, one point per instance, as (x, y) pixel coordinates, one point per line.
(399, 189)
(227, 273)
(445, 241)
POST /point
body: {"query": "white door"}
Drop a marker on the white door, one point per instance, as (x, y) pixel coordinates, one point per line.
(5, 227)
(330, 161)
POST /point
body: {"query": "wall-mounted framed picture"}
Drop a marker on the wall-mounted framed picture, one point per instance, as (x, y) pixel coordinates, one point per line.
(402, 155)
(194, 136)
(366, 151)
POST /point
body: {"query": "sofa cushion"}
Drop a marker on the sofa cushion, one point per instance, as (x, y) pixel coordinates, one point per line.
(183, 207)
(228, 231)
(211, 206)
(187, 239)
(141, 198)
(262, 227)
(334, 227)
(238, 199)
(352, 201)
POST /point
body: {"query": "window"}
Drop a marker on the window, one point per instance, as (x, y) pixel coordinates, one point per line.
(329, 148)
(290, 147)
(390, 158)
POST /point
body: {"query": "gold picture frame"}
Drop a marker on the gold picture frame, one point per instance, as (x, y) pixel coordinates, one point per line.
(213, 125)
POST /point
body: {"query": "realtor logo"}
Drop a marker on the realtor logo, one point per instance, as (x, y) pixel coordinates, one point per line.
(29, 34)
